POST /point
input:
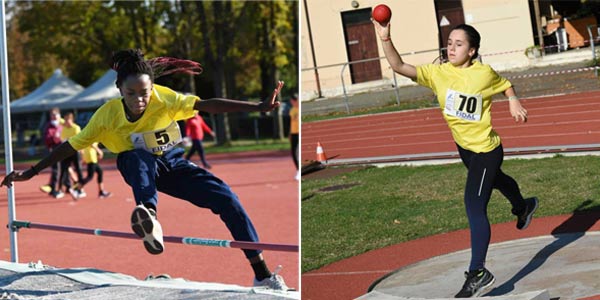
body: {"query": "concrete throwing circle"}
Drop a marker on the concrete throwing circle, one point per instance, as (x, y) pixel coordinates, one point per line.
(566, 265)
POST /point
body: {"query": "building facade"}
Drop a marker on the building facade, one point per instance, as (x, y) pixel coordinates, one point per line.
(337, 37)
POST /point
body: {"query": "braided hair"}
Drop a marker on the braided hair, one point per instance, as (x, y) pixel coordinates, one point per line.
(131, 62)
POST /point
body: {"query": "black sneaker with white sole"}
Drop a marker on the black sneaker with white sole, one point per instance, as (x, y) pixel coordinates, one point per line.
(477, 283)
(147, 227)
(524, 218)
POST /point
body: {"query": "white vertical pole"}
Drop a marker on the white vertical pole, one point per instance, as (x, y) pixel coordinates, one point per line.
(14, 255)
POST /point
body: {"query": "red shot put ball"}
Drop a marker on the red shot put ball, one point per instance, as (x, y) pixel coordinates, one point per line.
(382, 14)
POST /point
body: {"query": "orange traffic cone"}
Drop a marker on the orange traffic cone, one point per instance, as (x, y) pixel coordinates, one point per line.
(321, 157)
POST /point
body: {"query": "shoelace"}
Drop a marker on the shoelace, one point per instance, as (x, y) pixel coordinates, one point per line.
(470, 283)
(277, 280)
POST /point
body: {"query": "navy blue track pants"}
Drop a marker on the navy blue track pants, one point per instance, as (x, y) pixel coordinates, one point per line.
(171, 174)
(484, 174)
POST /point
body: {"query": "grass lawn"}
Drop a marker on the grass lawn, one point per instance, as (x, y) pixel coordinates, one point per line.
(386, 206)
(248, 145)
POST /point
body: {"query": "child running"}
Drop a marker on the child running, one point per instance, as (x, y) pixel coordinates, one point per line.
(295, 131)
(194, 129)
(464, 89)
(51, 135)
(69, 129)
(141, 127)
(91, 155)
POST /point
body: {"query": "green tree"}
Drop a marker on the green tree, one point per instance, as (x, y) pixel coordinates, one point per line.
(244, 46)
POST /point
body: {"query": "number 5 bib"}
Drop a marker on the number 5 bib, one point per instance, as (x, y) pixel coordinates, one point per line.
(158, 140)
(464, 106)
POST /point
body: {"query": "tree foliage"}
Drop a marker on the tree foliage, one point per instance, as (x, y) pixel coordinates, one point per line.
(244, 46)
(240, 43)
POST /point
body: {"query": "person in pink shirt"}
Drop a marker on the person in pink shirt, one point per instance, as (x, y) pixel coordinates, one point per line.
(52, 132)
(194, 129)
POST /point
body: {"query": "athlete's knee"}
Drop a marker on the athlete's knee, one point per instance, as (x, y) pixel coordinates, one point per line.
(227, 203)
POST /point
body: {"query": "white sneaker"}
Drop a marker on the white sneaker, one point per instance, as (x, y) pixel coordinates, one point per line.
(146, 226)
(275, 282)
(82, 193)
(57, 194)
(75, 194)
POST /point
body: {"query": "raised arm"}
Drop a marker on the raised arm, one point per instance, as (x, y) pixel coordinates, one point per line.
(220, 105)
(392, 55)
(517, 111)
(61, 152)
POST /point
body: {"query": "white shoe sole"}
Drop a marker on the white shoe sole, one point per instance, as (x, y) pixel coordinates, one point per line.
(148, 229)
(484, 289)
(530, 216)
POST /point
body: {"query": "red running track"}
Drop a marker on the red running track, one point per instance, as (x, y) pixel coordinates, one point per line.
(266, 187)
(556, 120)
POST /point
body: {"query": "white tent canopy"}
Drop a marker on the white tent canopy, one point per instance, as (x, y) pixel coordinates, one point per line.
(95, 95)
(54, 91)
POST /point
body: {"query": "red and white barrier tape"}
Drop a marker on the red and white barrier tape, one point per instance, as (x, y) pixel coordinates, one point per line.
(554, 73)
(523, 50)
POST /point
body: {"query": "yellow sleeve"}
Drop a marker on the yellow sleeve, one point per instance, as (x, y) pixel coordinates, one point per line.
(91, 132)
(183, 107)
(424, 73)
(498, 84)
(179, 106)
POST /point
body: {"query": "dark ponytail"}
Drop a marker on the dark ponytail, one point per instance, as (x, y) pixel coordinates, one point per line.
(472, 35)
(131, 62)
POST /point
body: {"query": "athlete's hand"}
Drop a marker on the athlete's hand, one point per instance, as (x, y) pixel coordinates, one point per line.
(517, 111)
(382, 30)
(272, 103)
(17, 176)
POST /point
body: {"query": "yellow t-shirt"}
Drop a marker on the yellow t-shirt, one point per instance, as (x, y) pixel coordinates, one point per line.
(294, 124)
(465, 97)
(89, 154)
(155, 131)
(68, 132)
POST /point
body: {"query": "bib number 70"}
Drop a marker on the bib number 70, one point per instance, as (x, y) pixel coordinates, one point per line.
(464, 106)
(470, 102)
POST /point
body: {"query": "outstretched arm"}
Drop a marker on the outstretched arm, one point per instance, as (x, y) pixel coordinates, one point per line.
(517, 111)
(219, 105)
(61, 152)
(392, 55)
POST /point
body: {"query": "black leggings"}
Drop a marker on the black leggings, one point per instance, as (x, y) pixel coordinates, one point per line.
(294, 150)
(64, 178)
(91, 169)
(484, 175)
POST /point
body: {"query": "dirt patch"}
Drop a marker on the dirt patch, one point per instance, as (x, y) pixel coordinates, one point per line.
(330, 172)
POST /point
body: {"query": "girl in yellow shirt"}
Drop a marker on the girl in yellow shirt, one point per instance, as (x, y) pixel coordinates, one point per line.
(90, 156)
(142, 128)
(294, 130)
(464, 89)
